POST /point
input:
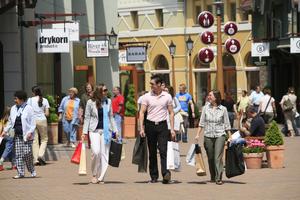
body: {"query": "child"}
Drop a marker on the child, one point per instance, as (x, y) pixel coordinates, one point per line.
(9, 145)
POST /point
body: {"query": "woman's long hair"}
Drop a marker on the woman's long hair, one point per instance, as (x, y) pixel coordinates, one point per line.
(6, 113)
(37, 91)
(217, 95)
(98, 95)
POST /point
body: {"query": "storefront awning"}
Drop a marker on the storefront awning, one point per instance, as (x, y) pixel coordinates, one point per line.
(6, 5)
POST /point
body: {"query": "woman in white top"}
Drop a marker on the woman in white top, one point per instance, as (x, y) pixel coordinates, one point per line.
(267, 106)
(40, 107)
(178, 120)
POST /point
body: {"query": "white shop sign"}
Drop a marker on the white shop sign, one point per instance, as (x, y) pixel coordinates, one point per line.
(96, 48)
(136, 54)
(123, 58)
(73, 29)
(53, 41)
(295, 45)
(261, 49)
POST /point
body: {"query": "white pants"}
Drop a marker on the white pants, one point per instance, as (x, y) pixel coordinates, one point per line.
(100, 153)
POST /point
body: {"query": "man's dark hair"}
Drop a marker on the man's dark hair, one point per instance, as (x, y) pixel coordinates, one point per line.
(251, 109)
(21, 95)
(157, 78)
(218, 97)
(118, 88)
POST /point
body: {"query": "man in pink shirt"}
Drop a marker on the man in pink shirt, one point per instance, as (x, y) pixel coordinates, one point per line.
(158, 105)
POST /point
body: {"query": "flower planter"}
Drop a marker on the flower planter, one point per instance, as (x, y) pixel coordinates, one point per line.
(129, 130)
(253, 160)
(53, 133)
(275, 156)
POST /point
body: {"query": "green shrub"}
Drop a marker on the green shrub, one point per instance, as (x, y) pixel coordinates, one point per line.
(130, 105)
(53, 117)
(273, 135)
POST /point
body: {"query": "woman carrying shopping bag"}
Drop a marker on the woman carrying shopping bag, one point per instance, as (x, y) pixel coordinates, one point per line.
(40, 107)
(214, 122)
(98, 121)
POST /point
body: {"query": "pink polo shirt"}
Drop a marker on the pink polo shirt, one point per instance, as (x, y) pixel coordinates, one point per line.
(157, 105)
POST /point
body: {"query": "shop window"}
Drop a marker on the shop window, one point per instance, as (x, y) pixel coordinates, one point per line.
(135, 19)
(197, 12)
(160, 17)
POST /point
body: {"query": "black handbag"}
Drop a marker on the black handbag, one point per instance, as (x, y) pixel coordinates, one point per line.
(115, 153)
(235, 165)
(140, 154)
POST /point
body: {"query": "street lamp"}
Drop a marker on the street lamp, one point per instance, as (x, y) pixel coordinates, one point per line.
(189, 46)
(220, 80)
(172, 49)
(113, 37)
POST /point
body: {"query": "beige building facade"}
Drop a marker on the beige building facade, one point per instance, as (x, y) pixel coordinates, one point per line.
(158, 22)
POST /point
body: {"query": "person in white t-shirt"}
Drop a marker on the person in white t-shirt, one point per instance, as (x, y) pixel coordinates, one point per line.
(267, 106)
(40, 107)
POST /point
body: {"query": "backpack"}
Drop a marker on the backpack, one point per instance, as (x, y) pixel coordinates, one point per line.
(287, 105)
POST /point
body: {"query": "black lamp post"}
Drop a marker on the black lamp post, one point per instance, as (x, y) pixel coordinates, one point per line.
(172, 49)
(189, 46)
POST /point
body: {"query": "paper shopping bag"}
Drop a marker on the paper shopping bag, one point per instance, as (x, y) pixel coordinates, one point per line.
(200, 167)
(173, 156)
(82, 164)
(190, 156)
(76, 155)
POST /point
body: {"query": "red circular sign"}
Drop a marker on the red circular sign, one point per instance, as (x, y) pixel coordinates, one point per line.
(232, 46)
(230, 28)
(207, 37)
(206, 55)
(205, 19)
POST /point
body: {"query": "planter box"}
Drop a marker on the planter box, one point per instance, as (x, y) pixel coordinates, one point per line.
(275, 156)
(53, 133)
(253, 160)
(129, 129)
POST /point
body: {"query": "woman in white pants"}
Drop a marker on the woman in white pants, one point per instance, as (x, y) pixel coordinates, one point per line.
(40, 107)
(99, 122)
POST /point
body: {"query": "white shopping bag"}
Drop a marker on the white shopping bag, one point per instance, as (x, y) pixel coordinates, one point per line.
(173, 156)
(82, 164)
(190, 157)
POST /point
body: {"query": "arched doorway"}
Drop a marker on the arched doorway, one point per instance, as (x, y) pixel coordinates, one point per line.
(252, 72)
(229, 67)
(202, 80)
(161, 67)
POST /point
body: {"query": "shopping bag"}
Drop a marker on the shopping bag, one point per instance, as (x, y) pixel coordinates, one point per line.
(173, 156)
(82, 164)
(190, 156)
(140, 154)
(200, 167)
(76, 155)
(235, 165)
(123, 153)
(115, 153)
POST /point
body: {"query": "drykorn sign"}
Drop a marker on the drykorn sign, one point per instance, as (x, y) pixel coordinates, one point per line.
(96, 48)
(53, 41)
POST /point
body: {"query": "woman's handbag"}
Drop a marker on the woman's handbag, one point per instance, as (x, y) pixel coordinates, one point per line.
(235, 165)
(76, 155)
(115, 153)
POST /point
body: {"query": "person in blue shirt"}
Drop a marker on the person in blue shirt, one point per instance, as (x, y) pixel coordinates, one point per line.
(255, 97)
(185, 99)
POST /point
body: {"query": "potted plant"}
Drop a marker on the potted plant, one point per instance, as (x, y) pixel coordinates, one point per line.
(129, 130)
(253, 153)
(52, 121)
(275, 148)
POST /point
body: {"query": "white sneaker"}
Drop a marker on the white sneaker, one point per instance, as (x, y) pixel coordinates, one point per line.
(73, 145)
(33, 174)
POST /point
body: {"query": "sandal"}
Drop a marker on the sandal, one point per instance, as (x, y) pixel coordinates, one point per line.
(94, 180)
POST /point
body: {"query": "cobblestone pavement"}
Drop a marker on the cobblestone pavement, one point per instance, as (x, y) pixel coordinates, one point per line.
(59, 180)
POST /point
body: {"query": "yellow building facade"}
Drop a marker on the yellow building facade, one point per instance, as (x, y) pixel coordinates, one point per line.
(160, 22)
